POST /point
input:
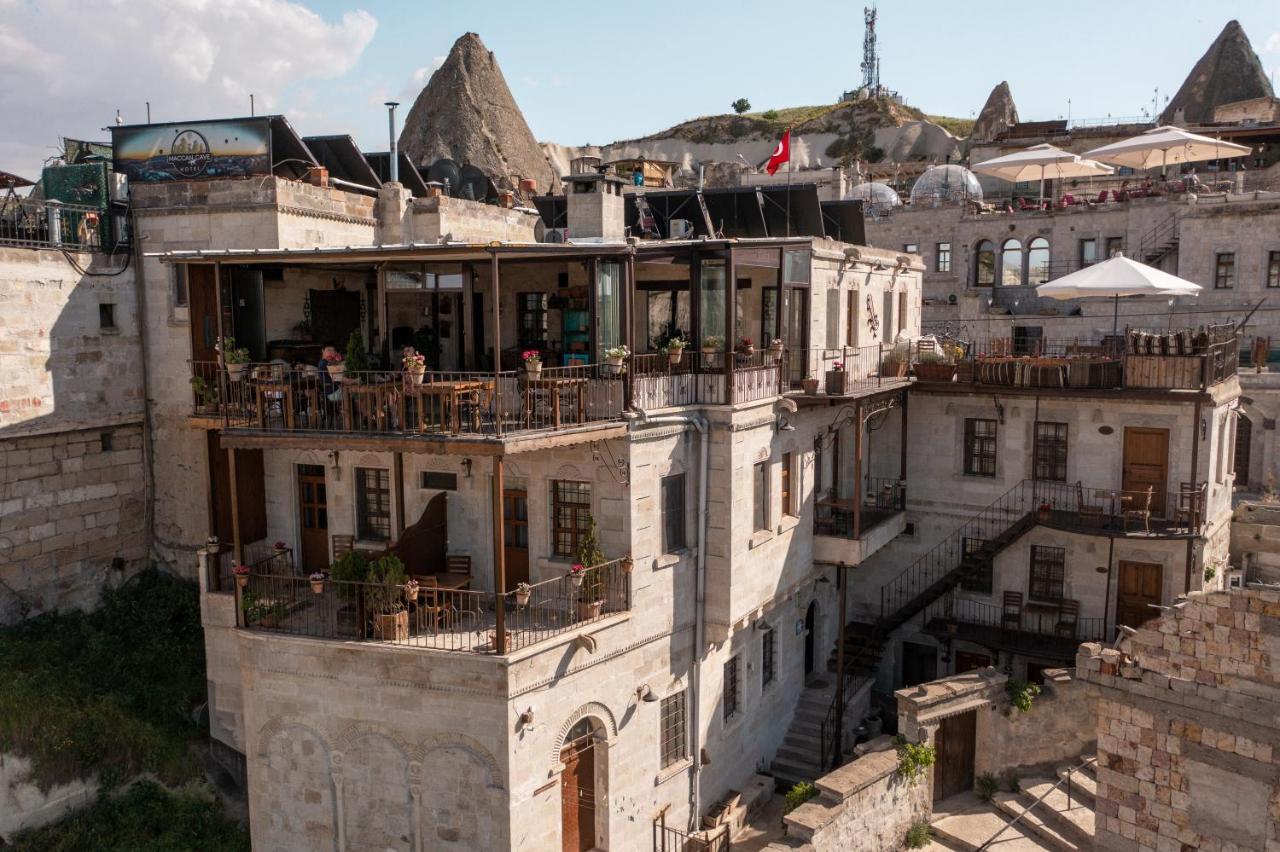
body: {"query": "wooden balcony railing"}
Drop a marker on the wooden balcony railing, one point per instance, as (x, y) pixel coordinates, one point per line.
(460, 620)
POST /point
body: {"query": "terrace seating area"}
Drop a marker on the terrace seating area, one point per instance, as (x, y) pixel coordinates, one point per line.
(882, 498)
(1036, 628)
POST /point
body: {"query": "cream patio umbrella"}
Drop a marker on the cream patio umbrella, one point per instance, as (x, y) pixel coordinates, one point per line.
(1116, 278)
(1161, 146)
(1040, 161)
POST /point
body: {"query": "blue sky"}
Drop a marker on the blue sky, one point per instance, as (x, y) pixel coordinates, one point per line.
(582, 72)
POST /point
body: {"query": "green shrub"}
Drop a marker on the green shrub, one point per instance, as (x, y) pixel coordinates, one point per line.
(798, 795)
(1013, 782)
(386, 576)
(918, 835)
(146, 818)
(112, 691)
(914, 758)
(1022, 694)
(987, 787)
(356, 359)
(770, 115)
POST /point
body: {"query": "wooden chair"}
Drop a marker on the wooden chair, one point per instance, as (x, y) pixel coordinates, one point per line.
(434, 609)
(1139, 513)
(1068, 617)
(342, 545)
(1090, 514)
(1011, 613)
(1188, 509)
(459, 563)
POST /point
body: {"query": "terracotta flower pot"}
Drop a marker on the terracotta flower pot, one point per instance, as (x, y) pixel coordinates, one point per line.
(589, 610)
(392, 627)
(242, 580)
(317, 586)
(837, 382)
(235, 372)
(416, 376)
(810, 386)
(674, 356)
(532, 370)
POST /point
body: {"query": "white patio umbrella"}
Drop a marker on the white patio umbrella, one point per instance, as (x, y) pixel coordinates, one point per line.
(1117, 278)
(1161, 146)
(1041, 161)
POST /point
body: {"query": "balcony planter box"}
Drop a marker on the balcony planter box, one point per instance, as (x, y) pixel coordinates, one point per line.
(393, 627)
(893, 369)
(837, 382)
(589, 610)
(935, 372)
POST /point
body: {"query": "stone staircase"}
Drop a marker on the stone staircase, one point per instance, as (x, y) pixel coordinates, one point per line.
(799, 756)
(1048, 818)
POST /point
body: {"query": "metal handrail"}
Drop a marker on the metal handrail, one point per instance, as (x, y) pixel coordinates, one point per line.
(1067, 780)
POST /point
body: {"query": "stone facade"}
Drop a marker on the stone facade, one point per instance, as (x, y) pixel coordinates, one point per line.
(1187, 748)
(72, 468)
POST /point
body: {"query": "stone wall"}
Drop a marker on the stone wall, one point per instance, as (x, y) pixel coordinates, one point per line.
(1057, 729)
(864, 805)
(1188, 749)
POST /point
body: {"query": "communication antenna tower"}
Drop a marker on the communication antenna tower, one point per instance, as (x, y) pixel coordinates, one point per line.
(870, 57)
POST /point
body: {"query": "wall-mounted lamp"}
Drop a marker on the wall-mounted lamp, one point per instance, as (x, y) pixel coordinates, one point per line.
(762, 624)
(466, 468)
(526, 720)
(645, 693)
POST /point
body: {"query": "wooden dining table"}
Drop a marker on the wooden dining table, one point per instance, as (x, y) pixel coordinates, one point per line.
(448, 395)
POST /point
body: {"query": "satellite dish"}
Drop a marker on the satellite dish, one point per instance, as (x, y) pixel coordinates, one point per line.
(475, 185)
(445, 171)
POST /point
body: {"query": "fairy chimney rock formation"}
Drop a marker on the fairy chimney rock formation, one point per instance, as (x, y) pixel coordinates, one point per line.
(1229, 71)
(998, 114)
(466, 112)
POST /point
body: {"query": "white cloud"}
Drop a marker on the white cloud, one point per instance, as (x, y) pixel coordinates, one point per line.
(418, 80)
(1272, 43)
(66, 66)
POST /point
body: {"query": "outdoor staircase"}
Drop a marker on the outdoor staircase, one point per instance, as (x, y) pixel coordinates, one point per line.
(1047, 816)
(1157, 243)
(799, 756)
(936, 573)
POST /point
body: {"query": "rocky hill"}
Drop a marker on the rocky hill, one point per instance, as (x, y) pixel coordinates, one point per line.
(1229, 71)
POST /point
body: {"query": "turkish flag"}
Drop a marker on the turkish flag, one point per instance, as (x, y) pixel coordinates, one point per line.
(781, 154)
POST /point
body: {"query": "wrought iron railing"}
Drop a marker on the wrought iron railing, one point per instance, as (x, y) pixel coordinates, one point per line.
(45, 223)
(882, 497)
(669, 839)
(1038, 621)
(827, 739)
(281, 398)
(429, 616)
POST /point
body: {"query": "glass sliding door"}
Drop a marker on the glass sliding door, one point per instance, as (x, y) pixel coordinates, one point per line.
(608, 305)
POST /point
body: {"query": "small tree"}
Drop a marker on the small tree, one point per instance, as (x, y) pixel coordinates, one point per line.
(589, 556)
(386, 577)
(741, 105)
(357, 359)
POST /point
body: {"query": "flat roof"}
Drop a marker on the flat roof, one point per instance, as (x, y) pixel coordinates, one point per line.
(445, 252)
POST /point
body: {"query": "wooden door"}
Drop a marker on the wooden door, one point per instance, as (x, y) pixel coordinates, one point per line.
(252, 497)
(1138, 588)
(810, 631)
(1244, 437)
(202, 301)
(953, 769)
(577, 796)
(313, 519)
(515, 536)
(1146, 465)
(919, 663)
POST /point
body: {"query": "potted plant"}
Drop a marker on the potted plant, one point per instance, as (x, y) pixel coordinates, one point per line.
(934, 367)
(523, 592)
(627, 564)
(357, 360)
(746, 346)
(837, 379)
(675, 349)
(776, 348)
(711, 344)
(414, 363)
(587, 575)
(1042, 513)
(334, 365)
(242, 575)
(894, 366)
(212, 545)
(411, 589)
(235, 357)
(615, 357)
(317, 582)
(385, 596)
(532, 363)
(809, 385)
(279, 547)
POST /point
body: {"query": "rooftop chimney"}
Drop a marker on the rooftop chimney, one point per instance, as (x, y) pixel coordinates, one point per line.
(596, 207)
(394, 168)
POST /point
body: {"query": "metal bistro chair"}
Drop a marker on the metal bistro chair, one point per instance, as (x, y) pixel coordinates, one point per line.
(1090, 514)
(1137, 513)
(1011, 613)
(1068, 617)
(1187, 511)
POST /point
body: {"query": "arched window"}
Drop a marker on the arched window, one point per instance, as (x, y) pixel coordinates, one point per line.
(1038, 261)
(1011, 263)
(984, 264)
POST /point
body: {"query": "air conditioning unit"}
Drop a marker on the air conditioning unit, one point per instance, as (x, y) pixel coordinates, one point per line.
(119, 187)
(556, 235)
(680, 229)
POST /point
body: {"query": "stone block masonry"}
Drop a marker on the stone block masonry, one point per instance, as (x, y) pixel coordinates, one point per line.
(1188, 745)
(71, 503)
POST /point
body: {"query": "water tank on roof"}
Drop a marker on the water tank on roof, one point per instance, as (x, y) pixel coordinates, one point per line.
(942, 184)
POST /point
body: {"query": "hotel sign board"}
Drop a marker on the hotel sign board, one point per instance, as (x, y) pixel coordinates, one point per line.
(151, 153)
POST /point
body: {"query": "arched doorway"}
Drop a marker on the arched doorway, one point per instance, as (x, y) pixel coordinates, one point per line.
(578, 788)
(810, 625)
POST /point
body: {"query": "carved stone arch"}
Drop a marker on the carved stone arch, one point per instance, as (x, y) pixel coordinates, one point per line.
(364, 458)
(469, 745)
(277, 725)
(346, 739)
(593, 709)
(568, 471)
(316, 457)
